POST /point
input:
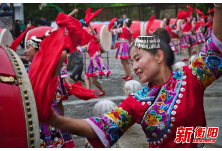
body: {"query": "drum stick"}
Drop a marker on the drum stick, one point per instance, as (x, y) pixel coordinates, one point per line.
(75, 11)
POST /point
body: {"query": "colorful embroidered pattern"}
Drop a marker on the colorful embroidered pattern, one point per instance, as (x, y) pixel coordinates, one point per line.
(157, 117)
(146, 94)
(113, 124)
(208, 64)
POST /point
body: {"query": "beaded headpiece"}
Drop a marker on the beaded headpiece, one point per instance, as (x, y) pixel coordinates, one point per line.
(34, 42)
(147, 42)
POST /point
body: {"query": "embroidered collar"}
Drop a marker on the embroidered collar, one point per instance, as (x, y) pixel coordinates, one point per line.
(148, 93)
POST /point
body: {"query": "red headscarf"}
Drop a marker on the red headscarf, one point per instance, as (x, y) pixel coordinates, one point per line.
(42, 68)
(18, 40)
(89, 16)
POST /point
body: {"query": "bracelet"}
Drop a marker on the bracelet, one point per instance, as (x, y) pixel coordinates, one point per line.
(217, 5)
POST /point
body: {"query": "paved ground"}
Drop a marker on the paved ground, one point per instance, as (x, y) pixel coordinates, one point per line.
(134, 137)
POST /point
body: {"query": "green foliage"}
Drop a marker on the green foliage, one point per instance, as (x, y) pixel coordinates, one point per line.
(204, 7)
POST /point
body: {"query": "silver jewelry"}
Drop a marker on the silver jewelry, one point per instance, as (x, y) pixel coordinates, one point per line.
(147, 42)
(34, 42)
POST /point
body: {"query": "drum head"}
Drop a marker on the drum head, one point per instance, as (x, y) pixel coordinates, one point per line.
(105, 38)
(38, 32)
(6, 37)
(18, 113)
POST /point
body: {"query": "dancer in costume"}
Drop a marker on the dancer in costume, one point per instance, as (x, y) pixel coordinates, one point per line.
(199, 38)
(169, 102)
(97, 66)
(50, 137)
(209, 26)
(44, 72)
(169, 28)
(125, 37)
(62, 93)
(187, 39)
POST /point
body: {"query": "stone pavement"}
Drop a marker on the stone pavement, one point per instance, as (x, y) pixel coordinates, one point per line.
(113, 85)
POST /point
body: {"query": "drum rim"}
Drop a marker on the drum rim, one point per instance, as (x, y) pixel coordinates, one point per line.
(28, 99)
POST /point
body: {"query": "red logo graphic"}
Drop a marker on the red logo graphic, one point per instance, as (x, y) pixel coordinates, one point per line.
(183, 134)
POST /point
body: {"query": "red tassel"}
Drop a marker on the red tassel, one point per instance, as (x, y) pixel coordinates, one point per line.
(210, 11)
(76, 35)
(18, 40)
(111, 23)
(190, 8)
(89, 16)
(203, 17)
(116, 45)
(80, 92)
(199, 12)
(152, 18)
(182, 14)
(42, 68)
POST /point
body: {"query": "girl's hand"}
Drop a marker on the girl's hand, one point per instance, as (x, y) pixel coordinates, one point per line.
(70, 86)
(54, 119)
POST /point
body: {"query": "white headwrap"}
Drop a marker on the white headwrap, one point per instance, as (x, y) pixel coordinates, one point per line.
(34, 42)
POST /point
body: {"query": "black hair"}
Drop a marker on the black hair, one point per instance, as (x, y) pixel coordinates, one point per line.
(95, 30)
(128, 23)
(164, 46)
(168, 22)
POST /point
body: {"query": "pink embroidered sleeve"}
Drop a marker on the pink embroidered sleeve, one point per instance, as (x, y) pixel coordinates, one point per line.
(208, 64)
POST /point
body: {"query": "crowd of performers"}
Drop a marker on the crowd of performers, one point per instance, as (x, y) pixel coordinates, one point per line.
(169, 100)
(191, 31)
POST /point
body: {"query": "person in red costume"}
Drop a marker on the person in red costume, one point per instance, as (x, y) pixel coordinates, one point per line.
(199, 38)
(125, 37)
(169, 100)
(50, 137)
(187, 39)
(209, 25)
(169, 29)
(97, 66)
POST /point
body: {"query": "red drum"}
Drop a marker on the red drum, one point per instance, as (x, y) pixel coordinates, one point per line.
(137, 28)
(6, 37)
(104, 35)
(38, 32)
(19, 126)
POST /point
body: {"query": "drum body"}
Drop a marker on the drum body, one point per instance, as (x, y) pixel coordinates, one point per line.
(104, 35)
(137, 28)
(19, 126)
(38, 32)
(6, 37)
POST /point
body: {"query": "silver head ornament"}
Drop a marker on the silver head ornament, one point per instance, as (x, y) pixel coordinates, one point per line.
(147, 42)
